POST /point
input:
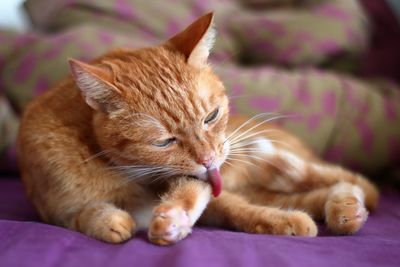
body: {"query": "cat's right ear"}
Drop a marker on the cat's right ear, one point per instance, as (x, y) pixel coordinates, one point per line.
(95, 84)
(196, 41)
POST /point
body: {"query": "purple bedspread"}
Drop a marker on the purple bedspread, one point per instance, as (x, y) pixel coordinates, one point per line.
(26, 242)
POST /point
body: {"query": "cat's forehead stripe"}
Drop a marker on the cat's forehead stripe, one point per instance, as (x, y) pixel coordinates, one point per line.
(157, 83)
(184, 99)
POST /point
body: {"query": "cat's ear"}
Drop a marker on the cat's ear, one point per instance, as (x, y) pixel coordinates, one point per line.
(95, 84)
(196, 41)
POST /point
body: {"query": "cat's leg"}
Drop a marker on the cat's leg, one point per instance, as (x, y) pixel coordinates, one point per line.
(104, 221)
(342, 205)
(324, 190)
(179, 210)
(234, 212)
(285, 171)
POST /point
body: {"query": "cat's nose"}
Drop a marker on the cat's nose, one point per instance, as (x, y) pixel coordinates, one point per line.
(206, 159)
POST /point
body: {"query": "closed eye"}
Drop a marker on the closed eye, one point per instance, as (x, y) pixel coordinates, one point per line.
(212, 116)
(165, 142)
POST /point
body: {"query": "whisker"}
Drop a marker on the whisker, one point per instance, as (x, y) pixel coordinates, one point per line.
(257, 158)
(252, 134)
(247, 162)
(143, 176)
(246, 123)
(257, 125)
(252, 156)
(129, 170)
(164, 176)
(249, 150)
(101, 153)
(133, 178)
(230, 164)
(243, 144)
(150, 173)
(251, 142)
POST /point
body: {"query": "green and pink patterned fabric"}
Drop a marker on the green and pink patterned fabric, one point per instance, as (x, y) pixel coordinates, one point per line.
(299, 61)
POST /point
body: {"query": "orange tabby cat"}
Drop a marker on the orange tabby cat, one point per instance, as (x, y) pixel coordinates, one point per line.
(138, 138)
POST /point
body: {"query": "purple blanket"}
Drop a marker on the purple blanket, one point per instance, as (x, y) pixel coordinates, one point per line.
(26, 242)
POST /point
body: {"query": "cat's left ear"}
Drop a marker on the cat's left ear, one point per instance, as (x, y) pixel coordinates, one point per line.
(95, 84)
(196, 41)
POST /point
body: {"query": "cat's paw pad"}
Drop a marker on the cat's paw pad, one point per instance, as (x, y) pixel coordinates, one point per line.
(114, 227)
(169, 225)
(345, 215)
(293, 223)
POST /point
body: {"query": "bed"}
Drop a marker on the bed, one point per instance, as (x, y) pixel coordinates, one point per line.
(354, 121)
(25, 241)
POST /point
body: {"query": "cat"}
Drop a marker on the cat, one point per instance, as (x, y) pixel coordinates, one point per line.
(141, 139)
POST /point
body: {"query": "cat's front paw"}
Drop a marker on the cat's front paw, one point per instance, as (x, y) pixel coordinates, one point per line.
(169, 225)
(292, 223)
(345, 214)
(300, 224)
(114, 226)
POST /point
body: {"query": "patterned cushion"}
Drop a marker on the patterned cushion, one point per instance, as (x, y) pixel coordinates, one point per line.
(267, 57)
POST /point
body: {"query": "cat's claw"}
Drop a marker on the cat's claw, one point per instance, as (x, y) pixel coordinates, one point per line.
(169, 225)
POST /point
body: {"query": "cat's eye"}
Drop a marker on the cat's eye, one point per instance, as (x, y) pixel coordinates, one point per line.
(212, 116)
(165, 142)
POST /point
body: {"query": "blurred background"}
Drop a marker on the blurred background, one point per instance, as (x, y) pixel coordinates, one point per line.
(333, 66)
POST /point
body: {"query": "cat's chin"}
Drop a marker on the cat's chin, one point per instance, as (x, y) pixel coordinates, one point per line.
(202, 176)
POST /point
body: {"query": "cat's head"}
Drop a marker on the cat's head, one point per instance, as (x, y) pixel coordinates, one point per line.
(160, 110)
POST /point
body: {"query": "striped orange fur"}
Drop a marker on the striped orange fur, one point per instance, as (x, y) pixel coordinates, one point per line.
(137, 138)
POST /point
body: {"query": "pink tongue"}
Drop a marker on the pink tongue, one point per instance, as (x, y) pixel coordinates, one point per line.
(215, 180)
